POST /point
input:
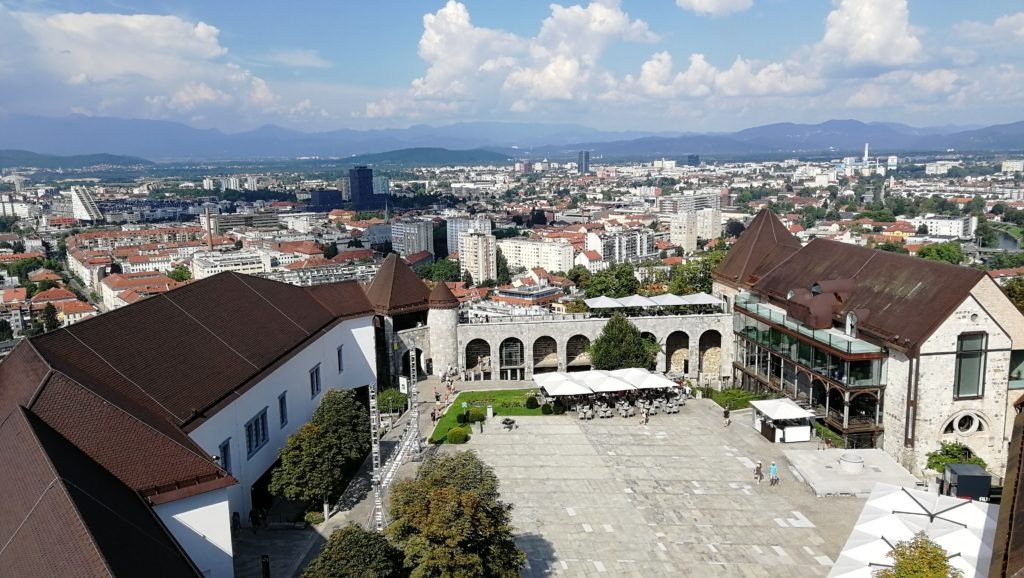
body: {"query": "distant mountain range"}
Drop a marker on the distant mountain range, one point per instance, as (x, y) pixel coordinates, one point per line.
(16, 158)
(164, 140)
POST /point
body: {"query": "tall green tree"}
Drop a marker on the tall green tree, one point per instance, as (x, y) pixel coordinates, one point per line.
(467, 279)
(355, 552)
(180, 273)
(615, 281)
(620, 346)
(1014, 289)
(579, 275)
(450, 521)
(919, 557)
(316, 459)
(949, 252)
(331, 251)
(694, 276)
(50, 321)
(503, 277)
(443, 270)
(6, 332)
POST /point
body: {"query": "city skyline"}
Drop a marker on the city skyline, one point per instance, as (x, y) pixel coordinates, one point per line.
(689, 65)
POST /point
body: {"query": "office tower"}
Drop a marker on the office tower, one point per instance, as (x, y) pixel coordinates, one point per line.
(478, 255)
(583, 163)
(381, 186)
(689, 227)
(361, 186)
(693, 160)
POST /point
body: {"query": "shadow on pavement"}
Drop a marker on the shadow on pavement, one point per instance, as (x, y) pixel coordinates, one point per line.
(540, 555)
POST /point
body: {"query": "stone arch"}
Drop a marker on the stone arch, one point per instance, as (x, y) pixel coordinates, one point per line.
(863, 406)
(421, 371)
(966, 423)
(512, 359)
(478, 358)
(648, 336)
(577, 358)
(545, 354)
(819, 393)
(677, 351)
(710, 347)
(836, 402)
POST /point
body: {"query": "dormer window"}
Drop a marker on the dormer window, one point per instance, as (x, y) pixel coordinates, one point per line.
(851, 324)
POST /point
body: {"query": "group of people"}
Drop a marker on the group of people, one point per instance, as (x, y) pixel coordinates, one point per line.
(448, 381)
(773, 473)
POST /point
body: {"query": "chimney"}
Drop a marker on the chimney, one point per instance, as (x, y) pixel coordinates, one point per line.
(209, 231)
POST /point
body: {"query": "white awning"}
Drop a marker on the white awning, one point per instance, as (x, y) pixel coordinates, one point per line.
(669, 299)
(783, 408)
(565, 387)
(599, 381)
(636, 301)
(702, 299)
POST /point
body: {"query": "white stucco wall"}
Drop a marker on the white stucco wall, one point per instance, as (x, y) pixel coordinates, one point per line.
(202, 526)
(356, 335)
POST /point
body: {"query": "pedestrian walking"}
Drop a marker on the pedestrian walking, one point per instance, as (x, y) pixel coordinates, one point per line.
(758, 472)
(437, 394)
(725, 417)
(433, 416)
(773, 474)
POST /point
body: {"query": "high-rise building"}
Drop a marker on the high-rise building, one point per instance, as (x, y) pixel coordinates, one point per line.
(689, 227)
(458, 225)
(624, 246)
(693, 160)
(705, 199)
(529, 253)
(478, 255)
(381, 186)
(583, 162)
(360, 181)
(83, 205)
(324, 200)
(409, 236)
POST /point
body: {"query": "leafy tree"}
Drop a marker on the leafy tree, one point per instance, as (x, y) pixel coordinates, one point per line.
(922, 229)
(949, 252)
(50, 321)
(501, 269)
(23, 267)
(316, 459)
(238, 244)
(6, 332)
(615, 281)
(952, 453)
(694, 276)
(392, 400)
(999, 208)
(919, 557)
(353, 244)
(734, 228)
(892, 247)
(18, 246)
(443, 270)
(579, 275)
(467, 279)
(449, 521)
(356, 552)
(180, 273)
(620, 346)
(331, 250)
(537, 217)
(576, 306)
(1014, 289)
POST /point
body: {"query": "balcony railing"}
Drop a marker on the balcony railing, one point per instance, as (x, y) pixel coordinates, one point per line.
(829, 337)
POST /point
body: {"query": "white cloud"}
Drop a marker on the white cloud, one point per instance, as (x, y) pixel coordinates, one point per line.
(715, 8)
(1008, 27)
(872, 33)
(298, 58)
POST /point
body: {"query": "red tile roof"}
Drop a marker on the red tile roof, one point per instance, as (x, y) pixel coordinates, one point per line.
(55, 294)
(396, 289)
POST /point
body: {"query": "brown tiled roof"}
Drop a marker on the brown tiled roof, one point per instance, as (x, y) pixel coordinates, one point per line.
(894, 295)
(396, 289)
(441, 297)
(64, 515)
(763, 245)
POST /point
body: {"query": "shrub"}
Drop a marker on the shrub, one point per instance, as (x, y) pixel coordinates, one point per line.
(546, 409)
(457, 435)
(476, 414)
(392, 399)
(953, 453)
(558, 407)
(532, 403)
(314, 518)
(461, 418)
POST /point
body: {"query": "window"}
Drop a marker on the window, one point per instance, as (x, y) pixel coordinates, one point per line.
(256, 433)
(970, 365)
(225, 455)
(282, 408)
(341, 358)
(314, 381)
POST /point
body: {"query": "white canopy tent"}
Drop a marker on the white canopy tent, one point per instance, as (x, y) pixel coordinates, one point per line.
(669, 300)
(702, 299)
(893, 514)
(602, 302)
(566, 387)
(781, 420)
(666, 300)
(598, 381)
(636, 301)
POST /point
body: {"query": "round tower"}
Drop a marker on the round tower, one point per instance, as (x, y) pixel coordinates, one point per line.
(443, 321)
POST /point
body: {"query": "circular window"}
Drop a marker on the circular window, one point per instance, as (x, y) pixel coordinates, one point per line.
(974, 317)
(966, 424)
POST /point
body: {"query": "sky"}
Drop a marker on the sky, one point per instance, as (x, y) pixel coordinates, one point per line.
(650, 65)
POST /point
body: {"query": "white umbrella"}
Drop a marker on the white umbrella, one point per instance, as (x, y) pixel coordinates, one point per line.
(655, 381)
(543, 379)
(608, 384)
(669, 299)
(602, 302)
(702, 299)
(567, 387)
(636, 301)
(631, 374)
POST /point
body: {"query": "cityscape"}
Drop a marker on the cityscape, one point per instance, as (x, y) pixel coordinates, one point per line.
(516, 297)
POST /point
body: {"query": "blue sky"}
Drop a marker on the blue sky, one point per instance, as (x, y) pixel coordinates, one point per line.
(702, 65)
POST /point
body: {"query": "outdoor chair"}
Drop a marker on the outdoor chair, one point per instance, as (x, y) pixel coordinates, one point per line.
(509, 424)
(581, 414)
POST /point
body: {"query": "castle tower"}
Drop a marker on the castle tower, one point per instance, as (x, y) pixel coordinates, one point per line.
(443, 321)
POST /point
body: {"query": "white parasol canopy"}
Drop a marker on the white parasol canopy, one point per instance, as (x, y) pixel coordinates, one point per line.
(636, 301)
(669, 299)
(599, 381)
(566, 387)
(702, 299)
(602, 302)
(783, 408)
(893, 514)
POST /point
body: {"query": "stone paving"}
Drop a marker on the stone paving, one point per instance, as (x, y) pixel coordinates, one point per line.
(676, 497)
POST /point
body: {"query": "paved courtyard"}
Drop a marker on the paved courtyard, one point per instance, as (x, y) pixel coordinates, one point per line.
(676, 497)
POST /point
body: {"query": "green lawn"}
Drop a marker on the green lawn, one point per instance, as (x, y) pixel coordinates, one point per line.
(508, 402)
